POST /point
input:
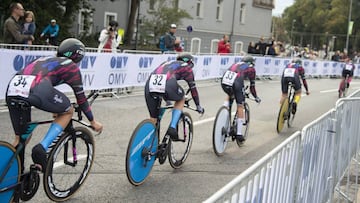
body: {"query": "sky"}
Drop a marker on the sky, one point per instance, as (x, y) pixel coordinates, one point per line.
(280, 6)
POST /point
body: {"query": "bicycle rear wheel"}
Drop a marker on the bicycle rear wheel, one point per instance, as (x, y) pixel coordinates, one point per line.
(12, 176)
(69, 164)
(246, 124)
(178, 151)
(282, 114)
(221, 130)
(141, 151)
(291, 116)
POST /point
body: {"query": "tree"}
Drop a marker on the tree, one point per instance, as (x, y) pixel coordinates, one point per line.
(319, 20)
(157, 23)
(64, 11)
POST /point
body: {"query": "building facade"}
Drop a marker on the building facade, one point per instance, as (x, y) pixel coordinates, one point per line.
(243, 20)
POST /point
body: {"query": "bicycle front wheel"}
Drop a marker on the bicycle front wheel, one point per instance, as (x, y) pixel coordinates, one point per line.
(282, 115)
(69, 164)
(12, 176)
(141, 151)
(178, 151)
(246, 124)
(221, 130)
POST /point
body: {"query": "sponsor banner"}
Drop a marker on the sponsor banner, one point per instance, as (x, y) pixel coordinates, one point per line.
(115, 70)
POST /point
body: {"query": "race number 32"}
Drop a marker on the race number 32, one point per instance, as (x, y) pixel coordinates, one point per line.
(157, 83)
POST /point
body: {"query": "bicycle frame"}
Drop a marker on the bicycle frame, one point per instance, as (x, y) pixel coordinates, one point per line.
(31, 126)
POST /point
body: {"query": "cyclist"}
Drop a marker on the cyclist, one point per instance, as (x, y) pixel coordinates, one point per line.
(35, 85)
(292, 74)
(348, 70)
(232, 82)
(163, 82)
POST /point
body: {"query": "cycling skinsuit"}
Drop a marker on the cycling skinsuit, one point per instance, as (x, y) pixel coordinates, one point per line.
(348, 70)
(232, 81)
(35, 84)
(163, 83)
(292, 74)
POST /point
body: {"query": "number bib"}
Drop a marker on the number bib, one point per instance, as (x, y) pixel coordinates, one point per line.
(229, 78)
(348, 67)
(289, 72)
(20, 85)
(157, 83)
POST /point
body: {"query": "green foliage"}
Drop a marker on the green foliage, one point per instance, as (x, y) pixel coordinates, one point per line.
(160, 19)
(64, 11)
(322, 19)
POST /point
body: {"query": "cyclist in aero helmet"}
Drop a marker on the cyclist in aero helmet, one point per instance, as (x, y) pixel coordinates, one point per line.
(232, 83)
(292, 74)
(35, 85)
(163, 83)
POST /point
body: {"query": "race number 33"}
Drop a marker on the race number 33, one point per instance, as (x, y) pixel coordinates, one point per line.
(20, 85)
(229, 78)
(157, 83)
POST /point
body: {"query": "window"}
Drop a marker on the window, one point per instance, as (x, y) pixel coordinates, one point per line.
(195, 45)
(242, 13)
(109, 16)
(85, 20)
(199, 8)
(152, 5)
(214, 45)
(239, 46)
(219, 10)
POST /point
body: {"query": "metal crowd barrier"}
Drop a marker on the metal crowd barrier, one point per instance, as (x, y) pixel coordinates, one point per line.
(314, 165)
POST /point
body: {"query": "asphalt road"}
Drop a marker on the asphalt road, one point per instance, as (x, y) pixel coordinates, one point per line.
(203, 173)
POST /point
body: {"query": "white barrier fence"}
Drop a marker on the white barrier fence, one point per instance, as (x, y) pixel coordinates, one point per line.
(306, 167)
(117, 70)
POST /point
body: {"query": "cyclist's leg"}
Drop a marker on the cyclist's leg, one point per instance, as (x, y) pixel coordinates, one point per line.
(238, 88)
(152, 102)
(19, 119)
(297, 96)
(174, 92)
(284, 89)
(229, 91)
(47, 98)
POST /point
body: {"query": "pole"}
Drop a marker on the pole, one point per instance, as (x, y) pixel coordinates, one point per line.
(137, 24)
(347, 31)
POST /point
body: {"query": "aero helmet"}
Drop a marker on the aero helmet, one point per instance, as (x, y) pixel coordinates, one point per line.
(248, 59)
(297, 61)
(71, 48)
(185, 58)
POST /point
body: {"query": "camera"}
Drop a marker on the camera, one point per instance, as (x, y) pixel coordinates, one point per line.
(111, 29)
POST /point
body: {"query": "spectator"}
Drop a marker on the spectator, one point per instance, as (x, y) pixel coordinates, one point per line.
(29, 25)
(261, 46)
(109, 39)
(12, 27)
(51, 33)
(271, 50)
(251, 48)
(170, 39)
(336, 56)
(224, 46)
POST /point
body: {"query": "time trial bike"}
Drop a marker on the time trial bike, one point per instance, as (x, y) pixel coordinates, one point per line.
(344, 86)
(286, 110)
(69, 161)
(144, 146)
(225, 128)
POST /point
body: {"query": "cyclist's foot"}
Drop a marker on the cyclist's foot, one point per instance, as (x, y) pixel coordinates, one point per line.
(240, 138)
(39, 156)
(173, 134)
(294, 108)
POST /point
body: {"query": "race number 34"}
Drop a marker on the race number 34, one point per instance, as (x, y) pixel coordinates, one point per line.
(20, 85)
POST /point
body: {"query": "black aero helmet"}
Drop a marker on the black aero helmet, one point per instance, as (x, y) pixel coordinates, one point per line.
(71, 48)
(248, 59)
(185, 58)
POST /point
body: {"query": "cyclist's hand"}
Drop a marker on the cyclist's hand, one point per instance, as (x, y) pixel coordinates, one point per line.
(258, 100)
(307, 92)
(200, 109)
(96, 125)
